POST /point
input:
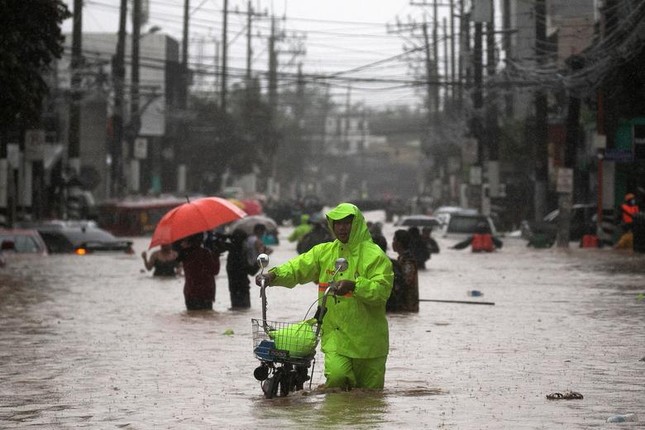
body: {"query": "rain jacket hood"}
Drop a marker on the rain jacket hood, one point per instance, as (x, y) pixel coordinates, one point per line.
(359, 233)
(355, 324)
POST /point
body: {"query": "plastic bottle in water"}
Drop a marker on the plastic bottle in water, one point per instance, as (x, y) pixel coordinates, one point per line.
(622, 418)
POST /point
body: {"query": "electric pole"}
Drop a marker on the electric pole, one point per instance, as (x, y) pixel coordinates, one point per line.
(74, 138)
(273, 70)
(133, 128)
(223, 94)
(118, 76)
(492, 132)
(435, 54)
(273, 102)
(183, 100)
(428, 63)
(541, 124)
(249, 47)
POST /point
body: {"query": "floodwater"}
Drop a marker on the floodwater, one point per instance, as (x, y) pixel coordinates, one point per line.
(92, 342)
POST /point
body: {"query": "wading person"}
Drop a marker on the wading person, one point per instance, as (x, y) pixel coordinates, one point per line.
(238, 270)
(200, 267)
(405, 297)
(481, 241)
(355, 329)
(163, 261)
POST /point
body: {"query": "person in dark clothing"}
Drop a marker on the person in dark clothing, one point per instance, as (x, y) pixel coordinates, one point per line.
(406, 298)
(395, 301)
(238, 270)
(431, 244)
(418, 248)
(200, 267)
(318, 234)
(376, 231)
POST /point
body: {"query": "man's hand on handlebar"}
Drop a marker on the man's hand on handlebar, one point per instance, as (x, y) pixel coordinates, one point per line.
(267, 278)
(343, 287)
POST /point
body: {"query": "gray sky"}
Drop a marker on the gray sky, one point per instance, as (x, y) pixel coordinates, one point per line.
(345, 38)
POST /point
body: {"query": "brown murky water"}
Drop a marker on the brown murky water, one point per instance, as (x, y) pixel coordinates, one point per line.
(91, 342)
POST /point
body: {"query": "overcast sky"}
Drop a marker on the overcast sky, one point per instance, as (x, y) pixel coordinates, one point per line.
(353, 40)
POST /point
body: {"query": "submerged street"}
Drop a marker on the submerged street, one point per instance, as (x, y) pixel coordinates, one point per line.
(93, 342)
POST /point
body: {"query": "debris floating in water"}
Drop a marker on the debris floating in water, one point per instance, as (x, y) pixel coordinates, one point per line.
(567, 395)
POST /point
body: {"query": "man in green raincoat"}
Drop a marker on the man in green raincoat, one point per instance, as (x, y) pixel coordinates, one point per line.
(355, 330)
(302, 229)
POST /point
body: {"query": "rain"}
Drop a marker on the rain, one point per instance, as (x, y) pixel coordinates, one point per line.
(510, 127)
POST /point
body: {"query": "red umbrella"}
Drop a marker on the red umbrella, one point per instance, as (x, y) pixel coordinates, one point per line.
(251, 206)
(194, 217)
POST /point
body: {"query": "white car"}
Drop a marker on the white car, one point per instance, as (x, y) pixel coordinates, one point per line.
(442, 213)
(464, 224)
(418, 221)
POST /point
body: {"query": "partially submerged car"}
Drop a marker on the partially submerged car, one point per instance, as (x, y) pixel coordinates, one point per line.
(463, 224)
(79, 237)
(22, 241)
(442, 213)
(418, 221)
(583, 221)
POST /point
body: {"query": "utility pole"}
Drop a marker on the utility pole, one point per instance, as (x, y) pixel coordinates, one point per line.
(118, 76)
(465, 65)
(182, 126)
(250, 14)
(249, 47)
(507, 48)
(565, 196)
(446, 65)
(217, 72)
(436, 99)
(273, 102)
(184, 57)
(492, 132)
(453, 37)
(435, 53)
(477, 126)
(74, 138)
(478, 93)
(541, 153)
(428, 62)
(133, 129)
(273, 70)
(223, 94)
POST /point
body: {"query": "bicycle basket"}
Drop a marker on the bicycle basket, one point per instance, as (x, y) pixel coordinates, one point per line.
(281, 341)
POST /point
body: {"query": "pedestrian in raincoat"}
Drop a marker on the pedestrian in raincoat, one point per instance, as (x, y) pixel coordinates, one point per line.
(355, 337)
(303, 228)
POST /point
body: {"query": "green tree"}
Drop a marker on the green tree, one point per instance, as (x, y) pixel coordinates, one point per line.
(30, 38)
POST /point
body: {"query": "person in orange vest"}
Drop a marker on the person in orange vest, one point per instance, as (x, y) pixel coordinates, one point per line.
(481, 241)
(628, 209)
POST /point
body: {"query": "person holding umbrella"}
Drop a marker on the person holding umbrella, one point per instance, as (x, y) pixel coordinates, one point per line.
(186, 225)
(200, 267)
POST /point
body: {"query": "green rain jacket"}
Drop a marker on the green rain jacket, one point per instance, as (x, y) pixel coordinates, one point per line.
(355, 324)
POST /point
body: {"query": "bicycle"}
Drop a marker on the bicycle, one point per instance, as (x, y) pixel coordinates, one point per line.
(287, 350)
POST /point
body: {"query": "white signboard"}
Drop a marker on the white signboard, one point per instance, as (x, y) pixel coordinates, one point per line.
(34, 144)
(565, 180)
(13, 155)
(475, 175)
(140, 148)
(153, 118)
